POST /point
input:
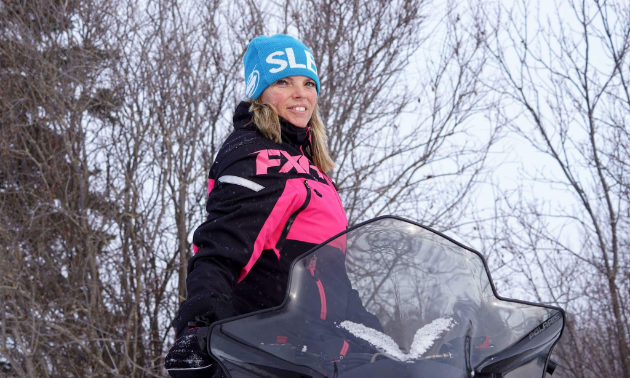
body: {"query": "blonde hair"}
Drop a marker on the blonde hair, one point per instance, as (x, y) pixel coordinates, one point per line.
(266, 119)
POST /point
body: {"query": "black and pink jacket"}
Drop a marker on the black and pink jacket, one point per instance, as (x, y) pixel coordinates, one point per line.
(267, 204)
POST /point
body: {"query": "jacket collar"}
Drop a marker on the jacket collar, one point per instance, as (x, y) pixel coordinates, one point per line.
(293, 135)
(242, 117)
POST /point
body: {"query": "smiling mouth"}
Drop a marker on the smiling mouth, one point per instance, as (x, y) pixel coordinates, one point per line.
(298, 108)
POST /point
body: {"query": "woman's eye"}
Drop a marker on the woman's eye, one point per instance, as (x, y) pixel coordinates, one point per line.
(282, 82)
(311, 84)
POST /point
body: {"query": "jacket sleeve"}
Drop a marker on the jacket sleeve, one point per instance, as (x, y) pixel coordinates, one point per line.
(246, 208)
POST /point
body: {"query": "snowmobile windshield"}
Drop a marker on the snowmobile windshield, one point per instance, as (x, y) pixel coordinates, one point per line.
(390, 298)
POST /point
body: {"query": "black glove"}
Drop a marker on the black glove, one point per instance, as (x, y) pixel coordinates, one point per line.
(188, 357)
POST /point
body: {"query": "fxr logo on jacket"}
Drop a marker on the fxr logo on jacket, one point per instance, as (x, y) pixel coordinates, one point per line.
(275, 158)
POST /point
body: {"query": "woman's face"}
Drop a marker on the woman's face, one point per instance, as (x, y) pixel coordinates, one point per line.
(293, 98)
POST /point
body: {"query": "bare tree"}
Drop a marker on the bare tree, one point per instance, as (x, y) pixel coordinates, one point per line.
(112, 113)
(399, 132)
(177, 66)
(568, 80)
(53, 218)
(111, 117)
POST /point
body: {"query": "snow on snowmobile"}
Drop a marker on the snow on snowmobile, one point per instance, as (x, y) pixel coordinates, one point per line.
(390, 298)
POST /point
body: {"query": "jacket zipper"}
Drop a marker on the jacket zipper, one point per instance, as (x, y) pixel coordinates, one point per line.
(322, 299)
(287, 226)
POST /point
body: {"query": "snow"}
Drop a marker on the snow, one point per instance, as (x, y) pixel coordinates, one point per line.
(426, 336)
(422, 340)
(374, 337)
(184, 354)
(304, 348)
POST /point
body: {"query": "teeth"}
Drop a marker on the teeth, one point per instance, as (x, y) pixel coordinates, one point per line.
(300, 108)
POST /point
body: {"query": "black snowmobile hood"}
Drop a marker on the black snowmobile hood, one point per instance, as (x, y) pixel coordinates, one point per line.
(390, 298)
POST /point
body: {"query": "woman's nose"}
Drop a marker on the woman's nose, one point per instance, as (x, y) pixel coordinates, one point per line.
(299, 91)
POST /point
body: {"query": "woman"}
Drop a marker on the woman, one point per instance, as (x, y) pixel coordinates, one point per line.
(269, 199)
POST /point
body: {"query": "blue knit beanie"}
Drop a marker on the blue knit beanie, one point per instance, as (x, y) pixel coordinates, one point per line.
(269, 59)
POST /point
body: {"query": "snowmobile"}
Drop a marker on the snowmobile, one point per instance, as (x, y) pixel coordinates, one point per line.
(390, 298)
